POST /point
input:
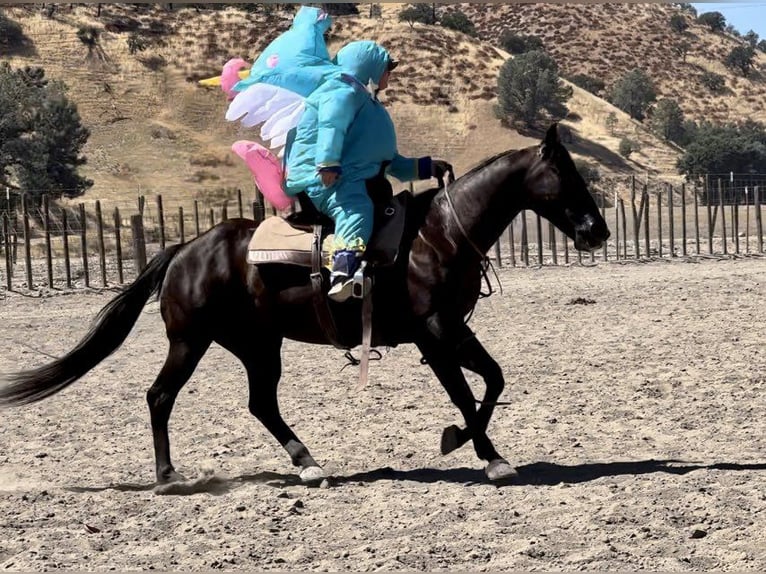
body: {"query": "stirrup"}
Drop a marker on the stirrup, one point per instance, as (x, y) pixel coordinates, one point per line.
(361, 284)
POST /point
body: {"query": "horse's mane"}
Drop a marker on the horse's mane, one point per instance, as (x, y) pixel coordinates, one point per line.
(488, 161)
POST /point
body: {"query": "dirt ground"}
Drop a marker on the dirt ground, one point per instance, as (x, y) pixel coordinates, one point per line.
(638, 425)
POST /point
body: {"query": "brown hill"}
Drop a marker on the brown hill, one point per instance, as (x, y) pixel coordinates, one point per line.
(607, 40)
(155, 131)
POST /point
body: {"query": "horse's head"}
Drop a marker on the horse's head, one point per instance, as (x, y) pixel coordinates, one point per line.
(555, 190)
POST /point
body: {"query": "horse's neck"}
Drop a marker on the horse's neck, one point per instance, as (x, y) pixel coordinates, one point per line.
(484, 202)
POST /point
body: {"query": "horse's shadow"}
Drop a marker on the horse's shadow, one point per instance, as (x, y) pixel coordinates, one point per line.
(539, 473)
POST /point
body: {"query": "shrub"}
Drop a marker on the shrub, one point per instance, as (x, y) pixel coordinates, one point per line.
(518, 44)
(457, 20)
(713, 82)
(678, 23)
(586, 82)
(627, 147)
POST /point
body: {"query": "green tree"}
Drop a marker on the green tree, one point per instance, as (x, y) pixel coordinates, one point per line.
(762, 46)
(667, 120)
(713, 82)
(611, 122)
(713, 20)
(518, 44)
(420, 13)
(341, 9)
(529, 84)
(741, 58)
(681, 49)
(589, 83)
(12, 38)
(633, 93)
(725, 148)
(41, 135)
(457, 20)
(678, 23)
(751, 38)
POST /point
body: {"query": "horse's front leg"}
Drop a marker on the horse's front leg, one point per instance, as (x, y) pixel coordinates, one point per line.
(443, 345)
(474, 357)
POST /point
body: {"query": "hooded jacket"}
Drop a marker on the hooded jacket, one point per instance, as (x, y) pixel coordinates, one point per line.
(344, 127)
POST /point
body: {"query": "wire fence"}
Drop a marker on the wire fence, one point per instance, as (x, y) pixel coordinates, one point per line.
(95, 244)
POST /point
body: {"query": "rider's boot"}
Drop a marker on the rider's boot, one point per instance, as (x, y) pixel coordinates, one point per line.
(344, 264)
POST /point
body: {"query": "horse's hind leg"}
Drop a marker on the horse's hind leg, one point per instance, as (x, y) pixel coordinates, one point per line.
(180, 363)
(263, 363)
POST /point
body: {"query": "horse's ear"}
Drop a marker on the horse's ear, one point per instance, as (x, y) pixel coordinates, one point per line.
(551, 141)
(552, 138)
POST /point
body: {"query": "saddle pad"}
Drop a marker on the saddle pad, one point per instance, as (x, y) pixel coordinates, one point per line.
(276, 241)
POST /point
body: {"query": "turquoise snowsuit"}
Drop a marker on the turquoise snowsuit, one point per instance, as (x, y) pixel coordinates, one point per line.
(347, 130)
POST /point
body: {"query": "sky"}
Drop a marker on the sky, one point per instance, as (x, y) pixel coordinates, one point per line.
(745, 16)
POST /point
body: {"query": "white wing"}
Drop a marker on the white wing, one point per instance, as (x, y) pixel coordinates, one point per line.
(279, 108)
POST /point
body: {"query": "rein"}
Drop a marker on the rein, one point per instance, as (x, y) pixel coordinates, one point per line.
(486, 262)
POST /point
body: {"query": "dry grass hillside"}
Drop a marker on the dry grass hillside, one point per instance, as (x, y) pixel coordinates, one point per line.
(155, 131)
(607, 40)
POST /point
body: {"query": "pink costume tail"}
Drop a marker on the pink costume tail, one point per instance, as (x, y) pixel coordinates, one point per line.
(267, 171)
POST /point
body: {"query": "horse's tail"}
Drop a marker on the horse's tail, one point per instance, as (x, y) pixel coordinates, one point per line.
(109, 330)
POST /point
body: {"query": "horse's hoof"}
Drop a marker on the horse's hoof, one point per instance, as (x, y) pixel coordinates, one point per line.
(172, 476)
(499, 469)
(312, 475)
(450, 439)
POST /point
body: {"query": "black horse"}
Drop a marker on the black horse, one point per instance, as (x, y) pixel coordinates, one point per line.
(208, 292)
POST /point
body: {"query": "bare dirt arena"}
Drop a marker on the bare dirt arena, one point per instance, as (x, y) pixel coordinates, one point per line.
(638, 425)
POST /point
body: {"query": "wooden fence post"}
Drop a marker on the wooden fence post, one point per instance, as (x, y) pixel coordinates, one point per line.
(524, 239)
(182, 238)
(65, 238)
(48, 247)
(624, 230)
(196, 218)
(511, 245)
(7, 250)
(747, 219)
(27, 241)
(539, 240)
(212, 218)
(758, 217)
(617, 225)
(497, 254)
(636, 217)
(552, 242)
(84, 244)
(671, 223)
(239, 203)
(723, 217)
(659, 224)
(683, 219)
(710, 222)
(647, 239)
(696, 220)
(161, 219)
(565, 241)
(225, 211)
(603, 215)
(735, 218)
(139, 242)
(101, 245)
(118, 244)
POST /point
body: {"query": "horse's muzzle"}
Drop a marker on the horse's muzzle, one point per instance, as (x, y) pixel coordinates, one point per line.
(591, 234)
